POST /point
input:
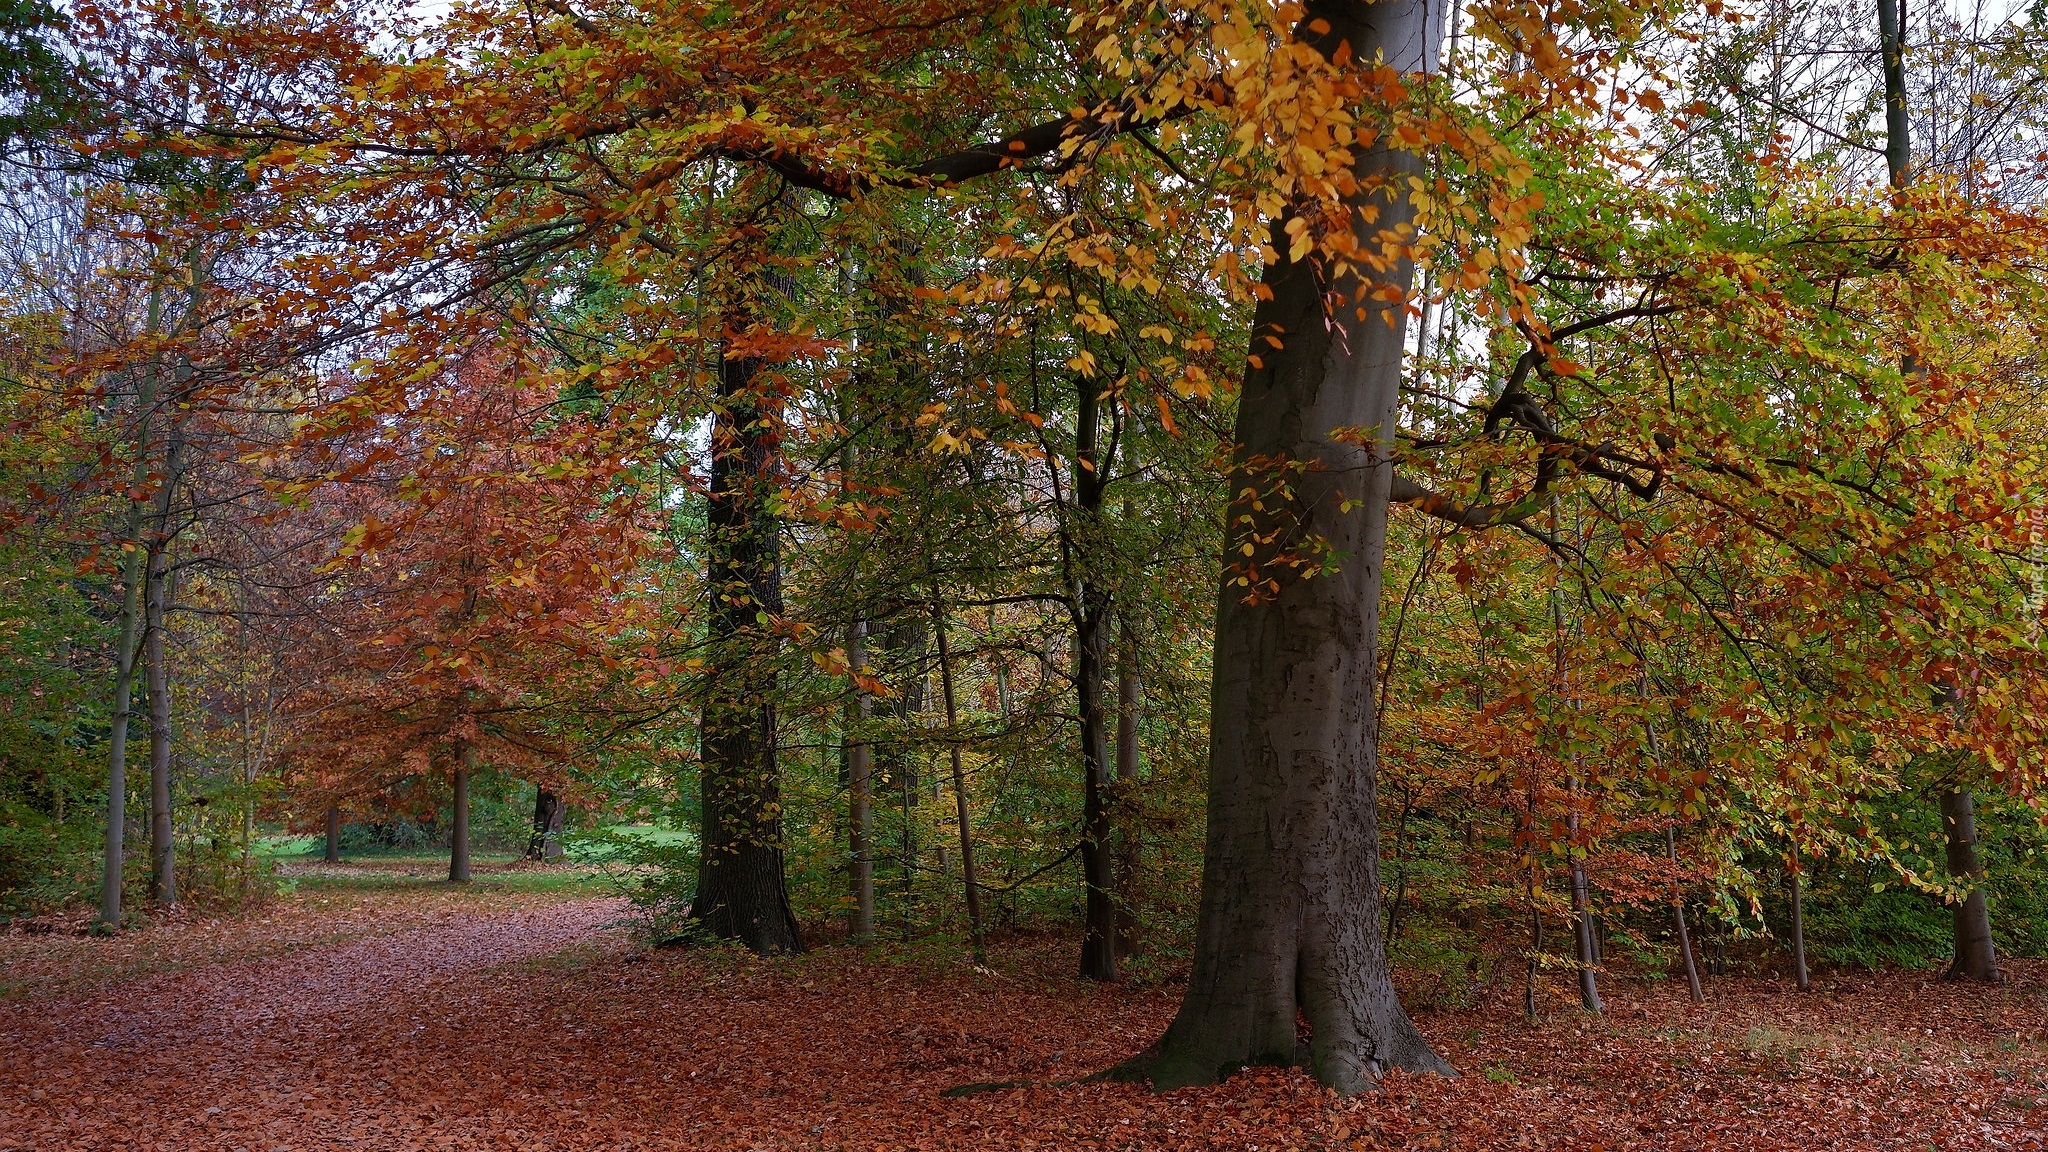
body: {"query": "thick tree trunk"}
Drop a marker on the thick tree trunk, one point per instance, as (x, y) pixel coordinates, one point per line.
(1799, 973)
(1975, 958)
(163, 873)
(333, 853)
(545, 843)
(742, 893)
(458, 839)
(1128, 692)
(1091, 642)
(960, 807)
(860, 776)
(1290, 916)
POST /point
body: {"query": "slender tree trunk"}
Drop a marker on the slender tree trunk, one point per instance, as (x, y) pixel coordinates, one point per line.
(134, 570)
(1091, 641)
(1692, 970)
(1799, 973)
(333, 854)
(1128, 691)
(860, 776)
(458, 840)
(156, 674)
(742, 892)
(1975, 957)
(1289, 920)
(1898, 145)
(960, 808)
(1585, 940)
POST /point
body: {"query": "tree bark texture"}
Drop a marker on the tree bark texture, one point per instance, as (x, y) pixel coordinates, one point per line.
(1290, 917)
(333, 853)
(1091, 610)
(1975, 958)
(742, 893)
(163, 872)
(548, 813)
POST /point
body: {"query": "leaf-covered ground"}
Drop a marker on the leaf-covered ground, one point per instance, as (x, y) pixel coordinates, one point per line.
(410, 1016)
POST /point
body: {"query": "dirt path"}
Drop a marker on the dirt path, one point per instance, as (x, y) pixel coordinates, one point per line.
(530, 1025)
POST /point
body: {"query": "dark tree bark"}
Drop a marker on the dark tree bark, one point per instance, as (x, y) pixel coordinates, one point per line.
(1975, 958)
(333, 853)
(1290, 917)
(741, 890)
(163, 872)
(548, 813)
(1091, 605)
(458, 839)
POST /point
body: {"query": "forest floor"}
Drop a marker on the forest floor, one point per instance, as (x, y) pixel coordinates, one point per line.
(376, 1010)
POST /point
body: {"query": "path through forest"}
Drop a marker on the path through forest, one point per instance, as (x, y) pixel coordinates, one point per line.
(533, 1022)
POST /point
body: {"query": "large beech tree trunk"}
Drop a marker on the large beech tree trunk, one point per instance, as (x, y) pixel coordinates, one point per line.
(333, 853)
(1975, 957)
(741, 891)
(1290, 909)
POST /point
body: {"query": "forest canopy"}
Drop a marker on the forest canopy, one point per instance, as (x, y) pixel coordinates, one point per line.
(1294, 498)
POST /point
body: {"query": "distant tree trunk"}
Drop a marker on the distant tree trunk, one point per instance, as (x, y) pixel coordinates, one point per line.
(156, 673)
(333, 854)
(1091, 609)
(1128, 691)
(742, 893)
(1692, 970)
(458, 841)
(960, 808)
(1290, 922)
(1584, 939)
(1975, 957)
(860, 776)
(134, 571)
(548, 811)
(1799, 973)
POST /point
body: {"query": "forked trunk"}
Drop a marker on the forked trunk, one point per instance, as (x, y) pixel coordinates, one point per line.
(1290, 909)
(1975, 958)
(741, 891)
